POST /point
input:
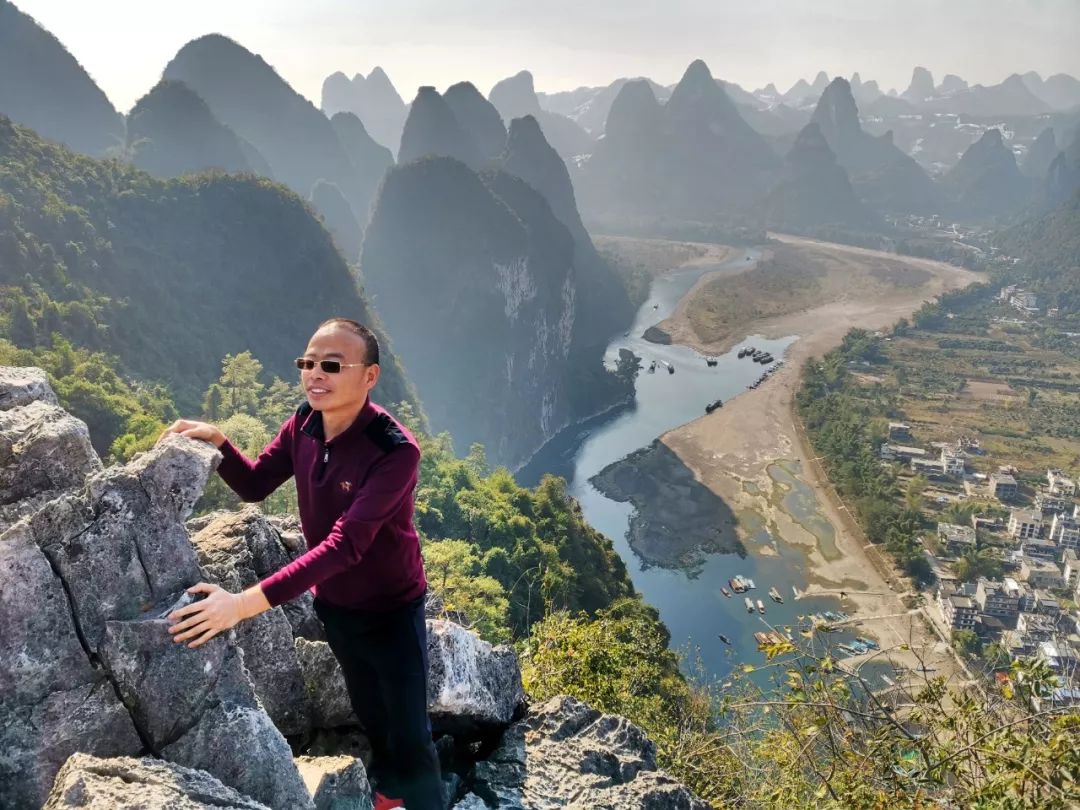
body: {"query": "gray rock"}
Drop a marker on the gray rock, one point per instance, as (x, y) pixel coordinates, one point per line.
(239, 549)
(327, 696)
(575, 756)
(52, 701)
(21, 385)
(336, 783)
(471, 684)
(168, 686)
(36, 739)
(471, 802)
(197, 707)
(241, 747)
(274, 669)
(44, 452)
(236, 550)
(140, 784)
(39, 647)
(121, 547)
(452, 785)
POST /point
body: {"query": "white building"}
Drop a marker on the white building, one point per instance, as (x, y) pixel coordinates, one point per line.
(952, 461)
(1041, 573)
(1060, 484)
(1065, 532)
(1025, 524)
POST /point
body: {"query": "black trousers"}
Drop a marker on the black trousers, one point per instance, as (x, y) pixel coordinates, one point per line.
(385, 662)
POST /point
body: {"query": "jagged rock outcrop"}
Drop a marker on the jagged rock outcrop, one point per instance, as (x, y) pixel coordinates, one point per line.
(602, 299)
(43, 87)
(171, 131)
(90, 676)
(566, 754)
(336, 783)
(44, 451)
(124, 783)
(497, 315)
(470, 683)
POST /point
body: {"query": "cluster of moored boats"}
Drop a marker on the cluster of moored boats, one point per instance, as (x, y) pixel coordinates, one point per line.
(670, 367)
(768, 372)
(824, 622)
(757, 355)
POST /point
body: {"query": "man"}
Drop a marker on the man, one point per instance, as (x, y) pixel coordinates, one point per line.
(356, 469)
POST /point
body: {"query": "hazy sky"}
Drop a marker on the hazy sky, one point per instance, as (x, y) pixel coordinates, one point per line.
(125, 44)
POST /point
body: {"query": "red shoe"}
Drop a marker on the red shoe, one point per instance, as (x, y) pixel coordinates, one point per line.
(386, 803)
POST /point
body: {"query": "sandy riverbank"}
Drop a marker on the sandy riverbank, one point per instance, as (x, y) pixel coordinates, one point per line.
(752, 455)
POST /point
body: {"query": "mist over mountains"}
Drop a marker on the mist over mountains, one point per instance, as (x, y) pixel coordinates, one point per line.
(489, 198)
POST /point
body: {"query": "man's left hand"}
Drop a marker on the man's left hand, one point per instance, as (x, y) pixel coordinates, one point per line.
(202, 620)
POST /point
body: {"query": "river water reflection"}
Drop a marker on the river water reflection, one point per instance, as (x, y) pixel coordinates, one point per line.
(690, 601)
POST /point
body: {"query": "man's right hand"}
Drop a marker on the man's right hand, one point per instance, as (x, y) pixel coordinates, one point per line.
(195, 430)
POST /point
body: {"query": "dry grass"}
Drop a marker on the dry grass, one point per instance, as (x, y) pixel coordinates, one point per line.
(792, 279)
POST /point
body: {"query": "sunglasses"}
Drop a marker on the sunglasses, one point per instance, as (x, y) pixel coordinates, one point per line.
(329, 366)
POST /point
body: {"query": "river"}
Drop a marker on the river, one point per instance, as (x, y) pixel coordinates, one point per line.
(689, 601)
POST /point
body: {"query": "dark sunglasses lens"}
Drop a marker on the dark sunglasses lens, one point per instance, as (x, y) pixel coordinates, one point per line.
(329, 366)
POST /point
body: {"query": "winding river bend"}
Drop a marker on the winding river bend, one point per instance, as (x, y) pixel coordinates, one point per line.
(687, 595)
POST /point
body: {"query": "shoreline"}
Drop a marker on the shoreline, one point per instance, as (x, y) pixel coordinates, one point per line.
(734, 450)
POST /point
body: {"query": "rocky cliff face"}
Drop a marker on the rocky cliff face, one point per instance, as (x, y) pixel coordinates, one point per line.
(102, 709)
(495, 318)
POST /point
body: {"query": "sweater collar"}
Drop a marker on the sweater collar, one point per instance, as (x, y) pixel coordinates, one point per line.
(313, 425)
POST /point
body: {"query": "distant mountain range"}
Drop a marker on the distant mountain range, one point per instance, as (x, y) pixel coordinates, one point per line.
(692, 156)
(373, 99)
(689, 150)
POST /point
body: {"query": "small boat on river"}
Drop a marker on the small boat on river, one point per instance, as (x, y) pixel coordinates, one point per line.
(749, 604)
(775, 596)
(760, 607)
(724, 639)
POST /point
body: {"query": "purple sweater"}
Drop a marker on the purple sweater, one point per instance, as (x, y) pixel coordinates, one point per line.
(356, 508)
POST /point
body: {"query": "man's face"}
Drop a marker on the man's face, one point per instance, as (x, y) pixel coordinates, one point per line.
(350, 386)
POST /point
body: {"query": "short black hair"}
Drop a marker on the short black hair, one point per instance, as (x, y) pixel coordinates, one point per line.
(371, 343)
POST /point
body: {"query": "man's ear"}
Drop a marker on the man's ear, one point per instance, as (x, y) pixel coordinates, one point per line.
(374, 370)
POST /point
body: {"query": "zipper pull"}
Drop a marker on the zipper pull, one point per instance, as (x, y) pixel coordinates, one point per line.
(326, 454)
